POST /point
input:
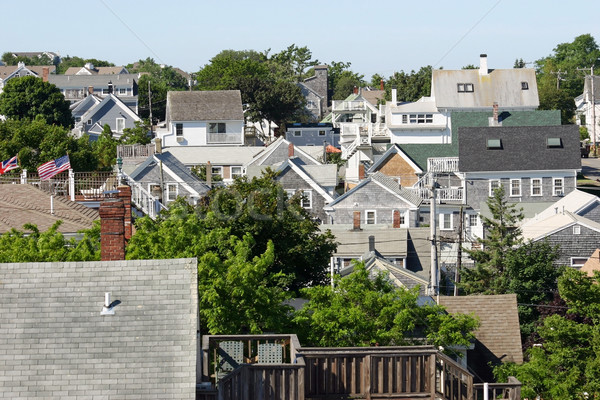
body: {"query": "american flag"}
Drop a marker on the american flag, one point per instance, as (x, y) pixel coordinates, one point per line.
(9, 164)
(51, 168)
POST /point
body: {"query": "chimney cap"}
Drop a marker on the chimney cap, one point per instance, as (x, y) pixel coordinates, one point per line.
(483, 55)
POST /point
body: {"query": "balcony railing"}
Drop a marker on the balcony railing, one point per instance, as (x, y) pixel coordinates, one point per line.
(139, 151)
(224, 138)
(442, 164)
(349, 106)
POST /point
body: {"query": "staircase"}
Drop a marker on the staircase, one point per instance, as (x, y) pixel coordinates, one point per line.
(143, 200)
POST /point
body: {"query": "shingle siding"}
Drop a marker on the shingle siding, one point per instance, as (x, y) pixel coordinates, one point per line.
(54, 343)
(291, 180)
(570, 245)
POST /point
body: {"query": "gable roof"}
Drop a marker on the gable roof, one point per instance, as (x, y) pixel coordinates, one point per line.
(297, 166)
(498, 336)
(539, 229)
(385, 157)
(21, 204)
(62, 343)
(96, 81)
(96, 71)
(502, 86)
(173, 168)
(206, 105)
(217, 155)
(7, 71)
(85, 104)
(389, 242)
(110, 98)
(523, 148)
(278, 152)
(389, 184)
(592, 264)
(576, 201)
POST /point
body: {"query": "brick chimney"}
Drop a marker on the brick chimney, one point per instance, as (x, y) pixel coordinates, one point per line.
(356, 221)
(157, 146)
(125, 195)
(290, 150)
(112, 230)
(361, 171)
(396, 219)
(381, 87)
(45, 72)
(208, 174)
(355, 90)
(495, 112)
(90, 90)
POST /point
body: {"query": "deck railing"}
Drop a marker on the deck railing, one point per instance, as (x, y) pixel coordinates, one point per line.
(442, 164)
(452, 381)
(139, 151)
(510, 390)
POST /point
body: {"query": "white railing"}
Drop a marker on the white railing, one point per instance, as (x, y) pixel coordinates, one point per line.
(135, 150)
(442, 195)
(142, 199)
(442, 164)
(353, 105)
(224, 138)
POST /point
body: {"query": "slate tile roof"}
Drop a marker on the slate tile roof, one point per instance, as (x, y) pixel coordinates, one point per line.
(498, 336)
(55, 343)
(215, 105)
(21, 204)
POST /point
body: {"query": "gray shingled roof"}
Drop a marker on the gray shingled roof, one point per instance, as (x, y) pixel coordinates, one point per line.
(389, 242)
(84, 81)
(408, 195)
(523, 149)
(498, 336)
(55, 343)
(216, 105)
(21, 204)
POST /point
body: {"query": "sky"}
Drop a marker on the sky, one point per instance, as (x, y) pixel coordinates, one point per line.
(381, 37)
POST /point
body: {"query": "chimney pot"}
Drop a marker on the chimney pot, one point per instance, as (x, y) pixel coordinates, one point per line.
(381, 87)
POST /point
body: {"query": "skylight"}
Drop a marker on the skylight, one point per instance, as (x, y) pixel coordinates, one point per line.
(494, 143)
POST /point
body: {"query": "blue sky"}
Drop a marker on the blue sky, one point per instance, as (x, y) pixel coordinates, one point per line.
(376, 37)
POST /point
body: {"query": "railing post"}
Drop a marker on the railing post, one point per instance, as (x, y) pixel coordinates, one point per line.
(24, 177)
(72, 184)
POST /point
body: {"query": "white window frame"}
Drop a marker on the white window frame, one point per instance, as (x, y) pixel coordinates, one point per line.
(473, 220)
(151, 185)
(443, 217)
(120, 121)
(290, 193)
(558, 190)
(215, 127)
(492, 181)
(367, 218)
(105, 91)
(171, 191)
(236, 174)
(89, 122)
(214, 169)
(403, 217)
(310, 104)
(576, 229)
(515, 193)
(533, 186)
(577, 265)
(307, 199)
(122, 91)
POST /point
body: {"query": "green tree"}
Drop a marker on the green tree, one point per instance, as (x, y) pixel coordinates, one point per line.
(36, 142)
(31, 245)
(105, 149)
(291, 64)
(342, 80)
(138, 135)
(502, 235)
(363, 311)
(566, 362)
(74, 61)
(410, 87)
(28, 97)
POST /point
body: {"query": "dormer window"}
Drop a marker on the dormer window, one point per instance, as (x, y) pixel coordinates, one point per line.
(494, 144)
(524, 86)
(465, 87)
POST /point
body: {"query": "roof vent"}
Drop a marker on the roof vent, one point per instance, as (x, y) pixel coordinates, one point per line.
(109, 308)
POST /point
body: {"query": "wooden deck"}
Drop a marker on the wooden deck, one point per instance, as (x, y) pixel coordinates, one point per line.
(370, 373)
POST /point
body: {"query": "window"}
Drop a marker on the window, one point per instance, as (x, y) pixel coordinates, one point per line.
(405, 118)
(576, 229)
(494, 144)
(217, 172)
(321, 133)
(536, 186)
(494, 184)
(172, 191)
(515, 187)
(120, 124)
(310, 104)
(578, 262)
(89, 121)
(524, 86)
(445, 222)
(122, 91)
(370, 217)
(558, 186)
(421, 118)
(297, 133)
(236, 172)
(465, 87)
(178, 129)
(473, 220)
(155, 189)
(290, 193)
(105, 91)
(306, 201)
(217, 127)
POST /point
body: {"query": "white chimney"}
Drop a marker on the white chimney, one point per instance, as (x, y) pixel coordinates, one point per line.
(483, 67)
(394, 96)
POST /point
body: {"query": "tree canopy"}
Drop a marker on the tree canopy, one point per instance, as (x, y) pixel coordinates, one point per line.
(29, 96)
(365, 311)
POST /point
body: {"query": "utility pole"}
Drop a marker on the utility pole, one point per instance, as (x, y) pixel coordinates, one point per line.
(150, 108)
(433, 229)
(459, 255)
(593, 150)
(558, 77)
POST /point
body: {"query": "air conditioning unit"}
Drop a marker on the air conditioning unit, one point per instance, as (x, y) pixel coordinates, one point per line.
(364, 140)
(179, 139)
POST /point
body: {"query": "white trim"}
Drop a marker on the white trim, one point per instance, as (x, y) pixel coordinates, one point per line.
(231, 167)
(117, 125)
(555, 187)
(491, 189)
(511, 194)
(311, 182)
(576, 229)
(531, 180)
(403, 214)
(577, 258)
(309, 197)
(367, 217)
(441, 221)
(169, 191)
(392, 192)
(178, 179)
(213, 167)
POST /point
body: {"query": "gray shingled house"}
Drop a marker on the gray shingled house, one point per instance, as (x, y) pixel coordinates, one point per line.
(107, 329)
